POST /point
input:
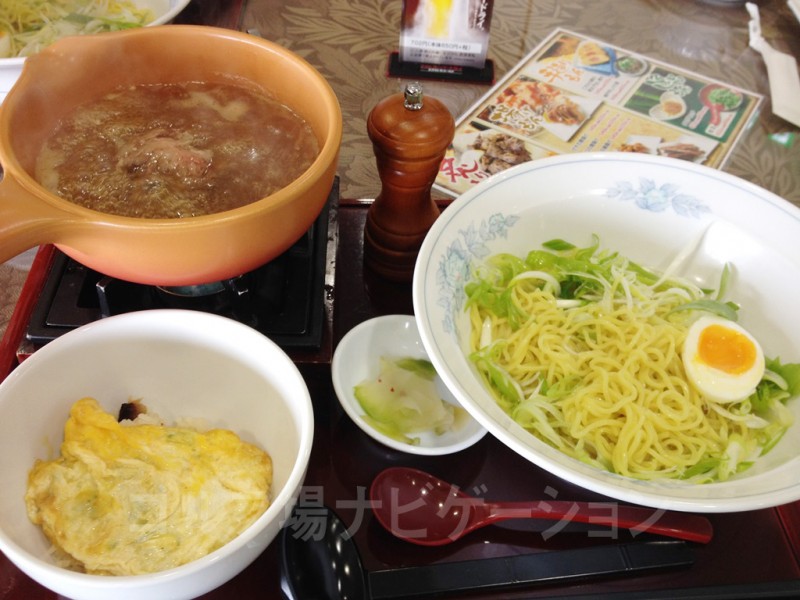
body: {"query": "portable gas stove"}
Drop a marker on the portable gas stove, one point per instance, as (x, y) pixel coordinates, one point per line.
(289, 299)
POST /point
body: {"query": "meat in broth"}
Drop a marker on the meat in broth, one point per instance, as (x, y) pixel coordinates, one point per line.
(176, 150)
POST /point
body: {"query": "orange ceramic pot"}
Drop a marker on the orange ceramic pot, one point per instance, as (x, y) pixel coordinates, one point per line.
(159, 251)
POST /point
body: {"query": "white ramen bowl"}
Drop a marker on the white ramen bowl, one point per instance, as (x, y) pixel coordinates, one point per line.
(163, 10)
(181, 364)
(648, 208)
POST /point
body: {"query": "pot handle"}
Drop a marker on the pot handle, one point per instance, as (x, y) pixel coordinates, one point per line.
(25, 220)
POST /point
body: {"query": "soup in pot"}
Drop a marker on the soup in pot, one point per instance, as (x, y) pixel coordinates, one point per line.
(175, 150)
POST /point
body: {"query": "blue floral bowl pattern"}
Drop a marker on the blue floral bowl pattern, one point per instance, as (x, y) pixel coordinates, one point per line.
(659, 212)
(473, 243)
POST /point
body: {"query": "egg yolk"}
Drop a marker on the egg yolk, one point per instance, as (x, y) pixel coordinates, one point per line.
(726, 349)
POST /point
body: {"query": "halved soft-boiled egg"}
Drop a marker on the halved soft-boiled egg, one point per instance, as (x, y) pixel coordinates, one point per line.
(722, 360)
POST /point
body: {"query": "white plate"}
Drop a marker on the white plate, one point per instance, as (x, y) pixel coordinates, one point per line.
(164, 11)
(357, 358)
(648, 208)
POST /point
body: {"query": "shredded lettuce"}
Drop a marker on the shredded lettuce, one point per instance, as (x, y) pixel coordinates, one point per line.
(576, 276)
(726, 310)
(508, 391)
(28, 26)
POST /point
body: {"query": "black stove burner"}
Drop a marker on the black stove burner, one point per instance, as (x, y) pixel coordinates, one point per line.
(283, 299)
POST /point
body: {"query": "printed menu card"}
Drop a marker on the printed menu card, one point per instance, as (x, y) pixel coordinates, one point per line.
(577, 94)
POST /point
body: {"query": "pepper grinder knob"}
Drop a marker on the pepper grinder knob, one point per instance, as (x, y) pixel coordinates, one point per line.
(409, 137)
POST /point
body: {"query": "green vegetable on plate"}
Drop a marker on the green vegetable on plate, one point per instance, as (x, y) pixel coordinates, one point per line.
(403, 400)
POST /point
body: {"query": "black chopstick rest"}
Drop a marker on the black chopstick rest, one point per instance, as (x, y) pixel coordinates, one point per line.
(542, 567)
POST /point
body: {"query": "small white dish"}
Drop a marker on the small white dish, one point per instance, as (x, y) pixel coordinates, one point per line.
(357, 358)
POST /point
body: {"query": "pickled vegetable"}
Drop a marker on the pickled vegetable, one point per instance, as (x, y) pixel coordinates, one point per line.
(403, 400)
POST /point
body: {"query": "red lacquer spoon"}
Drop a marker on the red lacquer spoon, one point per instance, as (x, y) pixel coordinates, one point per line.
(421, 508)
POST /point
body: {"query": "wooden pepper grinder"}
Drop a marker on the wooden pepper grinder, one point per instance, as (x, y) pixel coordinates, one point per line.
(409, 138)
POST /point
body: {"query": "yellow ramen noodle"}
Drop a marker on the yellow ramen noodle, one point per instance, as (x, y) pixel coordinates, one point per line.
(140, 498)
(632, 410)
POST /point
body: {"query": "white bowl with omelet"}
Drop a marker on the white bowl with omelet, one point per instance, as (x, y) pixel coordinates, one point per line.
(158, 12)
(540, 301)
(237, 426)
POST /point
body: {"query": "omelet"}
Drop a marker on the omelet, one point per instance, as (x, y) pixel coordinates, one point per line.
(592, 54)
(135, 499)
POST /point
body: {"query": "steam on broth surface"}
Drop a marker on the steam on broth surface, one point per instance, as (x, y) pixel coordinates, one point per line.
(175, 150)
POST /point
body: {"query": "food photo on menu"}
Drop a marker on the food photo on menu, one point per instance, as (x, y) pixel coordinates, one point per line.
(574, 94)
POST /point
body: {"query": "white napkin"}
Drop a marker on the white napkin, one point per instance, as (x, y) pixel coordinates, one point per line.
(784, 82)
(795, 6)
